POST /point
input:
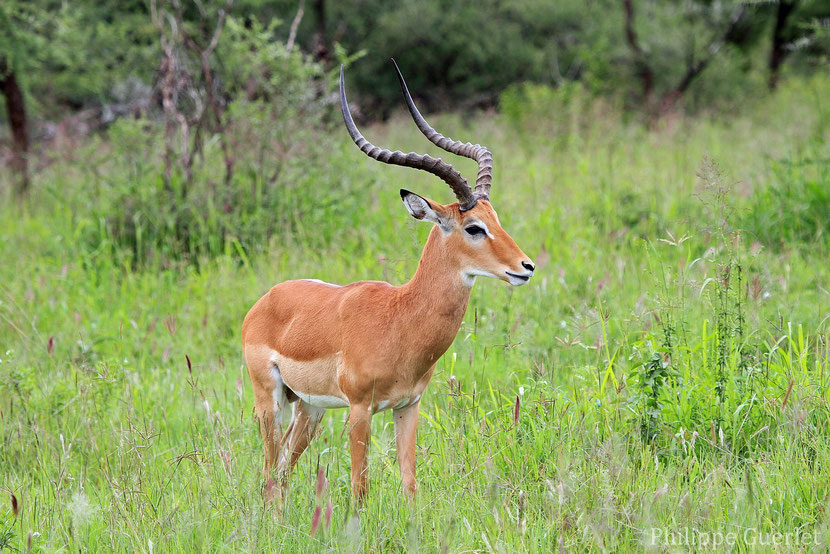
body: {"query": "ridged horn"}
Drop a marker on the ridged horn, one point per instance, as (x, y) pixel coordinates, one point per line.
(473, 151)
(425, 162)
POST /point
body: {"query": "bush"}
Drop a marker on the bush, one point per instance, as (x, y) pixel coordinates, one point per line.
(249, 174)
(274, 193)
(795, 208)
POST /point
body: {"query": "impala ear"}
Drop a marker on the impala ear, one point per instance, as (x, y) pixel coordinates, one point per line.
(425, 209)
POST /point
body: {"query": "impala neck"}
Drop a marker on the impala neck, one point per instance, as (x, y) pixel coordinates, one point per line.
(437, 292)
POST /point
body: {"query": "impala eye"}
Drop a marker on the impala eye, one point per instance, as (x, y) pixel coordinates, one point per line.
(474, 231)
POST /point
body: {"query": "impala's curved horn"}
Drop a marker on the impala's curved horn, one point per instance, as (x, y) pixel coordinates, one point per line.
(466, 198)
(473, 151)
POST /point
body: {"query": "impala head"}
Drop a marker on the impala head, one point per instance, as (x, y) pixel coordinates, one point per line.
(476, 238)
(470, 227)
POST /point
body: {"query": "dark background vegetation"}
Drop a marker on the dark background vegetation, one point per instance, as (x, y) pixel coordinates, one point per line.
(254, 80)
(72, 67)
(75, 55)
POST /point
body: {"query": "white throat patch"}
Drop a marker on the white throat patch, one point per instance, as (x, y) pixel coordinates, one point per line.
(468, 276)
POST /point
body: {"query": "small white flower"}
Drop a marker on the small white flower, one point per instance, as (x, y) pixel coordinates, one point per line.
(80, 510)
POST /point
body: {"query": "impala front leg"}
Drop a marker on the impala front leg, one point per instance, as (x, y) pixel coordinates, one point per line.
(360, 419)
(406, 429)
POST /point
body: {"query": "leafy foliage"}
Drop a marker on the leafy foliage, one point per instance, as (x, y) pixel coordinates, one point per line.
(476, 50)
(75, 55)
(80, 54)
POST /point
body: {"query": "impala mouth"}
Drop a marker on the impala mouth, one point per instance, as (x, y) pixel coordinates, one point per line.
(517, 279)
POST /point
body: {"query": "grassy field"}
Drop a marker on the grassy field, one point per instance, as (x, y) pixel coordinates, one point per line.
(665, 372)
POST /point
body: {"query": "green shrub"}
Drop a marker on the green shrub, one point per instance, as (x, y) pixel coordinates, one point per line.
(795, 206)
(274, 195)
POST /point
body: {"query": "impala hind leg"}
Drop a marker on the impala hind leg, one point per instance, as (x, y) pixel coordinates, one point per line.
(406, 428)
(303, 425)
(270, 411)
(360, 424)
(270, 402)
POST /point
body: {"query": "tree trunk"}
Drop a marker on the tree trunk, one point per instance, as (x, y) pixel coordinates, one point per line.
(16, 113)
(777, 52)
(321, 50)
(643, 68)
(695, 69)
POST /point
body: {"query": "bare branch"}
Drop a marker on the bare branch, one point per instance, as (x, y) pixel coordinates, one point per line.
(695, 69)
(220, 22)
(292, 35)
(186, 122)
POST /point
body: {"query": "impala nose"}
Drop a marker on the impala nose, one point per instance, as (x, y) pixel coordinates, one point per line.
(528, 266)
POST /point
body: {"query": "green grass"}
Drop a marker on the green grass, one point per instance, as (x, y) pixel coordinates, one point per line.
(670, 357)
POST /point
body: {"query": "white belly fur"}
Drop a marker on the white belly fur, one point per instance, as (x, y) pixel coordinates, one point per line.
(322, 400)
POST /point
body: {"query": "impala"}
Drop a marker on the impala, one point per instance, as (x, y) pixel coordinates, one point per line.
(371, 346)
